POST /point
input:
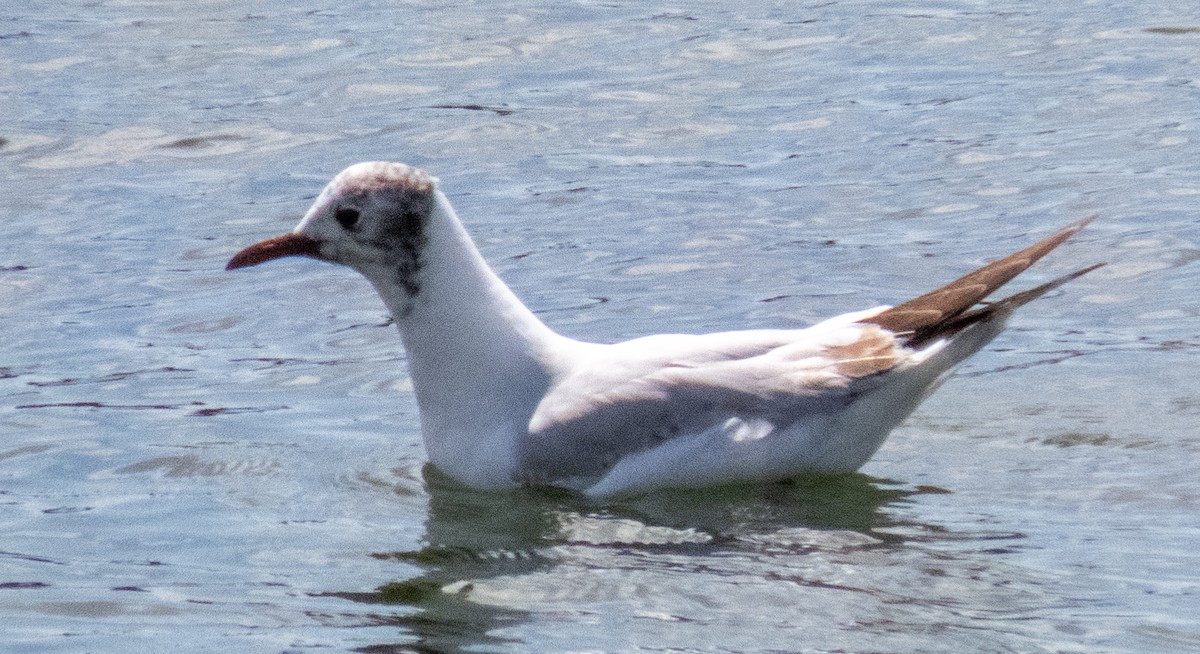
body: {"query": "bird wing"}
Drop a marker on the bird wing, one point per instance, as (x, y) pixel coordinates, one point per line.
(639, 394)
(709, 391)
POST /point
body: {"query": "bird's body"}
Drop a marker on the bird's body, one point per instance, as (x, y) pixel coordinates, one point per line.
(505, 401)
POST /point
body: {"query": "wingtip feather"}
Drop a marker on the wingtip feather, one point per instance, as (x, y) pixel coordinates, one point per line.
(941, 309)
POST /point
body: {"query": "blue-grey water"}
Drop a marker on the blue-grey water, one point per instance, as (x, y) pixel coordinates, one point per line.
(193, 460)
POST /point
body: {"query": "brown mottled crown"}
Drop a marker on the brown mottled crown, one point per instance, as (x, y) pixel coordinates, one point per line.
(377, 175)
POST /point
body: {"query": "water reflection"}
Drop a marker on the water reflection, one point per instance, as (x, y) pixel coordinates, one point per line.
(469, 536)
(476, 539)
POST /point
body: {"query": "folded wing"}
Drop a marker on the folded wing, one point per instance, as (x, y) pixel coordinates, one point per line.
(765, 403)
(637, 395)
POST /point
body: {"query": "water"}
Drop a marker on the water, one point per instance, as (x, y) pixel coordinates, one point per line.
(195, 460)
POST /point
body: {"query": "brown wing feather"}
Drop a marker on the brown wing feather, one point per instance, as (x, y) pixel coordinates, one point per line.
(946, 309)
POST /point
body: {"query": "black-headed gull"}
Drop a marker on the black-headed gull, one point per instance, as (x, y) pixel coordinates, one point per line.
(504, 401)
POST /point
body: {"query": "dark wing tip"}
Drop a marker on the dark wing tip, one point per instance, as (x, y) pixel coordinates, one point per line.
(933, 312)
(1017, 299)
(1006, 305)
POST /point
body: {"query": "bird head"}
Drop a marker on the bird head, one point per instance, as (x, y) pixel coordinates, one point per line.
(371, 217)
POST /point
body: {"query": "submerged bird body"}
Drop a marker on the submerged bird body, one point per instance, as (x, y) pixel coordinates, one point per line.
(505, 401)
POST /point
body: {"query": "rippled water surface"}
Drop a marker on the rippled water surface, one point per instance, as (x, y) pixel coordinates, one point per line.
(194, 460)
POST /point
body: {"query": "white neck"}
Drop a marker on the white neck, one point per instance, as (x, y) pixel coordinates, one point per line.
(479, 359)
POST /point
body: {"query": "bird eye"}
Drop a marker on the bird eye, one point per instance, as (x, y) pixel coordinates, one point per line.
(347, 217)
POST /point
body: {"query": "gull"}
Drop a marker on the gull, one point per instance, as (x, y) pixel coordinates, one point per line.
(504, 401)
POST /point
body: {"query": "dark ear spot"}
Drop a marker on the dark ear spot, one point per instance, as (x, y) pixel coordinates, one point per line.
(411, 225)
(347, 217)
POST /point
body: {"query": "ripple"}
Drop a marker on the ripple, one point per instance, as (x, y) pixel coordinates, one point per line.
(129, 144)
(290, 49)
(56, 64)
(24, 450)
(607, 530)
(493, 133)
(191, 465)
